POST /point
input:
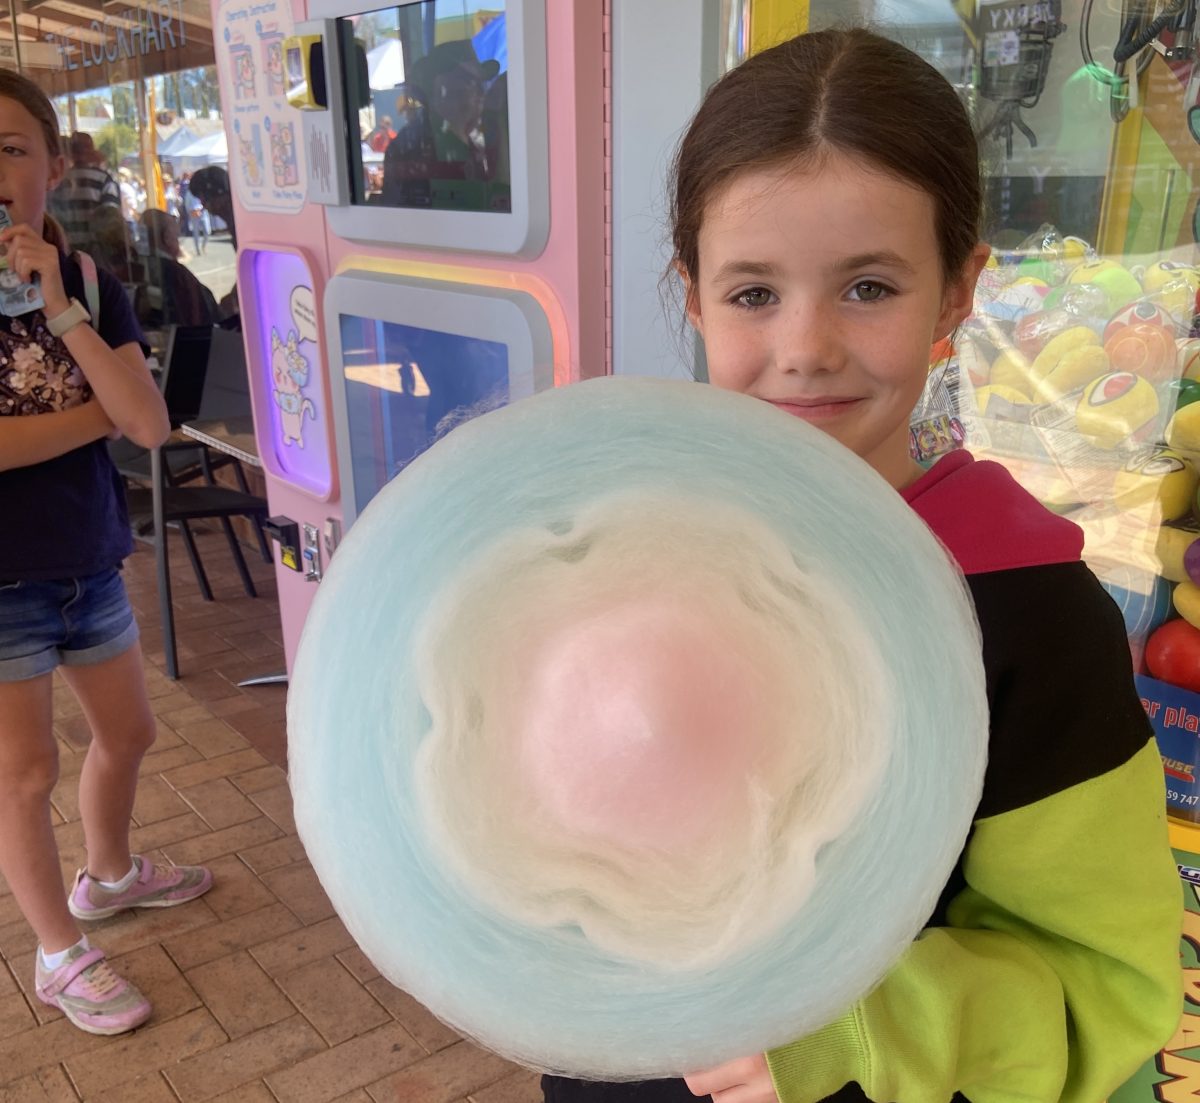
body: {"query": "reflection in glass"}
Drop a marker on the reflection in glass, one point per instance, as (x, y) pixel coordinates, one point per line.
(427, 93)
(407, 387)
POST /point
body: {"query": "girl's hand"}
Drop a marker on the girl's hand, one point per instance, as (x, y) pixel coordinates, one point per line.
(746, 1080)
(28, 252)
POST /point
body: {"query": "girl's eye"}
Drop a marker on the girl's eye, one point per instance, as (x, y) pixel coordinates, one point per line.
(8, 150)
(868, 291)
(752, 297)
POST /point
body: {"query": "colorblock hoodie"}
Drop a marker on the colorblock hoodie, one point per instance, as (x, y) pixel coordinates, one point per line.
(1050, 970)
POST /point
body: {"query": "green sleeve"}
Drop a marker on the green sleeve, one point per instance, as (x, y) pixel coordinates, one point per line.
(1056, 978)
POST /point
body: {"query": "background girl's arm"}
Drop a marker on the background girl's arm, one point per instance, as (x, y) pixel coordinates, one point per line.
(119, 377)
(1057, 972)
(29, 440)
(122, 384)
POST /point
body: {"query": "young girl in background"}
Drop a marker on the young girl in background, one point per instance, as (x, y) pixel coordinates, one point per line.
(826, 216)
(64, 388)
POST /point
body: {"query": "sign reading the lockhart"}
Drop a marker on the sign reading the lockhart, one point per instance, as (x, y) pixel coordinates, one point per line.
(133, 32)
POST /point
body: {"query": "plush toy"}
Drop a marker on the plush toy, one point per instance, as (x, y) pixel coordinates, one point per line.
(1114, 407)
(1117, 282)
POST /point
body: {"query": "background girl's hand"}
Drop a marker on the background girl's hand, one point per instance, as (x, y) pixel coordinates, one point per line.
(28, 252)
(746, 1080)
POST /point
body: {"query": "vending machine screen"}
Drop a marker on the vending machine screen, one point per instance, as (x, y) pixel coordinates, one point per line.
(427, 95)
(407, 387)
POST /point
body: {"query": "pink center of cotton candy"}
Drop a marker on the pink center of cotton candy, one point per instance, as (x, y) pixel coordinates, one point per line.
(640, 724)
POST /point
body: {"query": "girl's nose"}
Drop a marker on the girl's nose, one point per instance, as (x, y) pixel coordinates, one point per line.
(810, 341)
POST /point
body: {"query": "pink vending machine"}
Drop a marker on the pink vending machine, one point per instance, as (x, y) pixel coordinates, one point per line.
(420, 194)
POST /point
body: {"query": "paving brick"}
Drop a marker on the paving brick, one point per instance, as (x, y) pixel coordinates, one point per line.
(255, 781)
(254, 1092)
(15, 1015)
(298, 948)
(156, 762)
(154, 836)
(159, 979)
(330, 1075)
(46, 1086)
(277, 804)
(219, 803)
(64, 799)
(272, 855)
(209, 686)
(281, 1045)
(228, 706)
(191, 714)
(332, 1000)
(241, 997)
(236, 762)
(156, 801)
(128, 1057)
(236, 890)
(150, 1087)
(45, 1046)
(419, 1021)
(226, 841)
(522, 1086)
(298, 887)
(212, 737)
(132, 930)
(235, 934)
(359, 964)
(445, 1077)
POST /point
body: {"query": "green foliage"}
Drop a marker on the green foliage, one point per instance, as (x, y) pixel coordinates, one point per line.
(116, 141)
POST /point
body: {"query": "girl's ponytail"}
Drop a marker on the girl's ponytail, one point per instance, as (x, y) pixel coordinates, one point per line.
(53, 232)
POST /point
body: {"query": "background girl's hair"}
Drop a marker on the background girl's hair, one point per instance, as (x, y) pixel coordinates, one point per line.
(850, 91)
(13, 86)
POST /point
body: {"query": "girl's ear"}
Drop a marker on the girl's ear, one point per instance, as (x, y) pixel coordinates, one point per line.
(58, 167)
(959, 297)
(691, 298)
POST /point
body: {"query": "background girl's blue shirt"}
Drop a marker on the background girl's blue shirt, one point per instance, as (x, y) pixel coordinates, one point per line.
(66, 517)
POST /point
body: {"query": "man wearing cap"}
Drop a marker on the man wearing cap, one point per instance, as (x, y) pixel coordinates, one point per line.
(86, 185)
(456, 157)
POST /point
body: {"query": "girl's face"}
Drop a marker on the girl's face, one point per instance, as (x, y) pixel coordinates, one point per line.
(27, 171)
(820, 290)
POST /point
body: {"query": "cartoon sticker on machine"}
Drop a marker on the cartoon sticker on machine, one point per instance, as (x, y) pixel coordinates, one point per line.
(289, 370)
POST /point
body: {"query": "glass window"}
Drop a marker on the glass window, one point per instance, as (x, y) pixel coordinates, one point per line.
(427, 92)
(135, 88)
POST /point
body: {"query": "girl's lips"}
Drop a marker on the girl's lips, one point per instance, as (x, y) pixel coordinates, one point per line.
(816, 409)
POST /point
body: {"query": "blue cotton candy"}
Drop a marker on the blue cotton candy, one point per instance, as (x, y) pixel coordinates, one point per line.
(636, 727)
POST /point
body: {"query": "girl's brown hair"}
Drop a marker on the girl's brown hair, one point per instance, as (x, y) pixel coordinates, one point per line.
(849, 91)
(13, 86)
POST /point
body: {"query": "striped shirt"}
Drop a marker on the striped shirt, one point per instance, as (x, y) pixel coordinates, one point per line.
(82, 190)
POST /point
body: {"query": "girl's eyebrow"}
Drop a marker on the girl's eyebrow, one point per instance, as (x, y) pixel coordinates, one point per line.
(13, 134)
(886, 258)
(732, 268)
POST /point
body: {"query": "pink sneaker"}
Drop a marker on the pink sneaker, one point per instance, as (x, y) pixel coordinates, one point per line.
(90, 994)
(153, 887)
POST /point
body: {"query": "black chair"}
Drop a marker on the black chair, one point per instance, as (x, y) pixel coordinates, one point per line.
(165, 503)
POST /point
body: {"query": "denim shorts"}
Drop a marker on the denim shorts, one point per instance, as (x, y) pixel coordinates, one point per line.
(63, 622)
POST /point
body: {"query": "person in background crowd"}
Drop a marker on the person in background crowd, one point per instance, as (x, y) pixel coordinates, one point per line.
(210, 185)
(175, 295)
(86, 186)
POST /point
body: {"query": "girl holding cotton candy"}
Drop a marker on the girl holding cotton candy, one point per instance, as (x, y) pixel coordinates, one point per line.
(826, 217)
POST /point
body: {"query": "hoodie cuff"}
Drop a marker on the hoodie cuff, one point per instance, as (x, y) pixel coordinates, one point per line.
(817, 1066)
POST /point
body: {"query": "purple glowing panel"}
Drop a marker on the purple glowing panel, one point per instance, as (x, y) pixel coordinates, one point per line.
(292, 436)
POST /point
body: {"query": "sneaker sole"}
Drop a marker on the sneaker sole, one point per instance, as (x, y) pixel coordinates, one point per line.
(91, 1028)
(105, 913)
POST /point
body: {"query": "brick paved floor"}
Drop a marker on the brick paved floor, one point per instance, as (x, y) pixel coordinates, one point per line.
(255, 1000)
